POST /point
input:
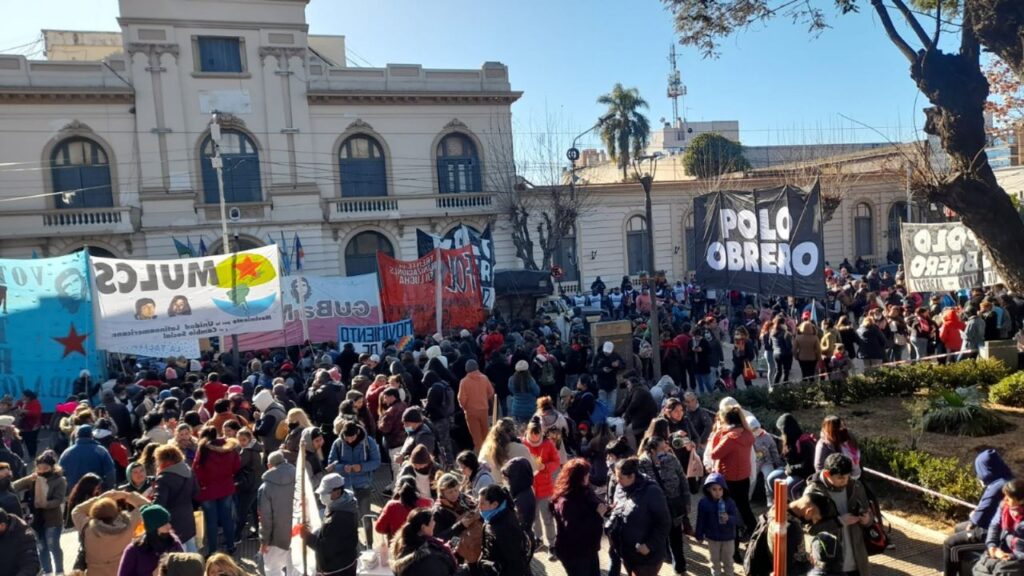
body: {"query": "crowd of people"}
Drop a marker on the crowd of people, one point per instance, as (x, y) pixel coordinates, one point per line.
(495, 445)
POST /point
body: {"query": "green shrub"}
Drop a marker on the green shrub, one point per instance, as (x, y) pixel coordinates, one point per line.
(1009, 391)
(960, 412)
(945, 475)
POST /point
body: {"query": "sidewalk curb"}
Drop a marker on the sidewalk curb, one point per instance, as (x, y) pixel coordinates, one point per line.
(909, 526)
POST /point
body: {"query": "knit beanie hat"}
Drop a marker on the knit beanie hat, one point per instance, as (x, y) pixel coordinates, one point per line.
(420, 456)
(154, 516)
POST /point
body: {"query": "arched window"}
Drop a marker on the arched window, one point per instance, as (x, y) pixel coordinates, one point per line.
(636, 245)
(235, 244)
(361, 252)
(458, 165)
(241, 169)
(690, 239)
(95, 251)
(81, 172)
(863, 231)
(361, 162)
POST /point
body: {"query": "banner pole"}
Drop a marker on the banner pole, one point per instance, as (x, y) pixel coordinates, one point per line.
(781, 506)
(438, 272)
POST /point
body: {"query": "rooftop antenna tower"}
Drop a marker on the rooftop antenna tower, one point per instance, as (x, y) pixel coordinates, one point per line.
(676, 89)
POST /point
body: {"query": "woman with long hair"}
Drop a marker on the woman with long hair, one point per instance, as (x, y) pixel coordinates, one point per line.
(743, 351)
(730, 449)
(506, 548)
(545, 456)
(502, 444)
(217, 461)
(416, 552)
(835, 437)
(475, 474)
(405, 499)
(298, 421)
(798, 451)
(88, 486)
(579, 517)
(766, 349)
(782, 349)
(456, 516)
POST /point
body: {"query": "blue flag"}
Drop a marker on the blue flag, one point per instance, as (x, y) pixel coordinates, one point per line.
(184, 251)
(202, 247)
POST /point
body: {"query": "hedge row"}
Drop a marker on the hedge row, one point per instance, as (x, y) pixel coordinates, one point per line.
(1009, 391)
(945, 475)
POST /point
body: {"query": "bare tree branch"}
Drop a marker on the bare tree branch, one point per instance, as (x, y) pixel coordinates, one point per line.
(938, 24)
(913, 22)
(890, 31)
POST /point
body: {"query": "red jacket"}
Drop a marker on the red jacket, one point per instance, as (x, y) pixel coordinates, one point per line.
(32, 418)
(394, 515)
(492, 343)
(949, 333)
(547, 454)
(730, 449)
(214, 391)
(215, 466)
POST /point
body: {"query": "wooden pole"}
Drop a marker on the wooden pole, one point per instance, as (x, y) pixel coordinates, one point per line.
(302, 502)
(494, 408)
(781, 507)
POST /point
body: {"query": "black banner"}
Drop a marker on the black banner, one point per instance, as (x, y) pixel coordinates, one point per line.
(763, 242)
(464, 235)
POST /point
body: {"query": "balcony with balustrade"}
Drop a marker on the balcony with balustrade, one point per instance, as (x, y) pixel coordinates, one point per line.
(337, 210)
(70, 222)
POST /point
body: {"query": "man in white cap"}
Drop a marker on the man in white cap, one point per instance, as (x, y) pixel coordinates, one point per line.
(336, 543)
(607, 366)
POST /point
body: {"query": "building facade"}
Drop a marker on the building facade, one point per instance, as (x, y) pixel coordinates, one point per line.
(115, 154)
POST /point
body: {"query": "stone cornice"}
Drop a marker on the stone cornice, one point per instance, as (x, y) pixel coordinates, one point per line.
(84, 95)
(282, 51)
(153, 48)
(370, 97)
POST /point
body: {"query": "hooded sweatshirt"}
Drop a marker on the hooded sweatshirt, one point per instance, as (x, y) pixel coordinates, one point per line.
(544, 479)
(175, 488)
(709, 525)
(993, 473)
(518, 472)
(215, 466)
(364, 452)
(275, 506)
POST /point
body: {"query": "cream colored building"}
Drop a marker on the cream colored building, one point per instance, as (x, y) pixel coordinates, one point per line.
(610, 239)
(112, 150)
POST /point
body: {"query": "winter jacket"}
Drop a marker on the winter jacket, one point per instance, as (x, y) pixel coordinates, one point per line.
(519, 474)
(993, 473)
(506, 551)
(49, 494)
(670, 476)
(140, 559)
(974, 333)
(807, 347)
(709, 525)
(275, 506)
(856, 503)
(390, 425)
(337, 541)
(431, 558)
(106, 541)
(638, 409)
(175, 489)
(700, 419)
(266, 426)
(523, 402)
(394, 514)
(665, 388)
(730, 449)
(15, 461)
(247, 480)
(605, 373)
(578, 525)
(871, 344)
(1006, 538)
(475, 392)
(84, 457)
(364, 453)
(215, 466)
(767, 451)
(950, 331)
(544, 479)
(423, 436)
(18, 549)
(640, 515)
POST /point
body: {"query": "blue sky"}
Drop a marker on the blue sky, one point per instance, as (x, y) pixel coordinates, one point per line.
(784, 86)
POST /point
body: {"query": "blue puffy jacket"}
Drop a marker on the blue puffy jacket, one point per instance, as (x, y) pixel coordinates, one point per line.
(708, 524)
(364, 452)
(993, 472)
(87, 455)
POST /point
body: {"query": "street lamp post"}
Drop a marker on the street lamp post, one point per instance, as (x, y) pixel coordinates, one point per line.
(573, 154)
(654, 322)
(218, 164)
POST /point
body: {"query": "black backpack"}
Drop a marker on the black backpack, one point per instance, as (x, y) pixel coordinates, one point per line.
(757, 560)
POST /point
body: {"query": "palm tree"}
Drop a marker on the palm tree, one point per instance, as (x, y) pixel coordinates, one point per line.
(626, 133)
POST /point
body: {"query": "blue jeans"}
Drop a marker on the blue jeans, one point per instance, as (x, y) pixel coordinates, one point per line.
(190, 545)
(219, 514)
(50, 544)
(705, 383)
(609, 397)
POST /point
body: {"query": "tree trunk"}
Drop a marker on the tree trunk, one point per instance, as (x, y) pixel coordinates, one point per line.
(998, 25)
(956, 86)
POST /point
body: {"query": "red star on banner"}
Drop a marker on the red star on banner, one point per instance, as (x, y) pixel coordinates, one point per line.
(248, 268)
(73, 342)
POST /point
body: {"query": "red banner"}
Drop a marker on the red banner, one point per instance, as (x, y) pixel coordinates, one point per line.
(409, 290)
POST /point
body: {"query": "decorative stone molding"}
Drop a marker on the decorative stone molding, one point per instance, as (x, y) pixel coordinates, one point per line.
(229, 120)
(282, 52)
(152, 48)
(76, 126)
(392, 98)
(455, 124)
(358, 124)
